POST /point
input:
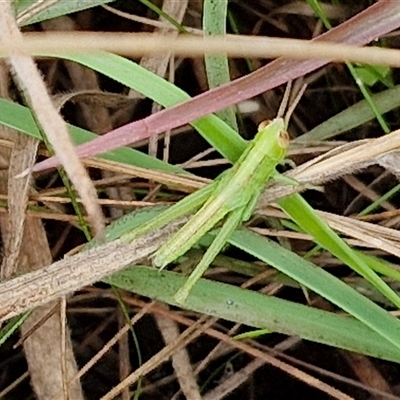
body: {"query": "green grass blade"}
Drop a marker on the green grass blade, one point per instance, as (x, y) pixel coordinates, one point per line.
(381, 266)
(315, 4)
(12, 326)
(217, 66)
(222, 137)
(257, 310)
(321, 282)
(287, 262)
(58, 8)
(377, 203)
(353, 116)
(20, 118)
(164, 15)
(302, 213)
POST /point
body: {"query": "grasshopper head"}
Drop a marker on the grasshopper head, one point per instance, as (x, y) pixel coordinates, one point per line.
(280, 132)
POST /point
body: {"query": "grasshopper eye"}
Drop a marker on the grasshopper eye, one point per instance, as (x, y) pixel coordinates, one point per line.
(264, 124)
(283, 139)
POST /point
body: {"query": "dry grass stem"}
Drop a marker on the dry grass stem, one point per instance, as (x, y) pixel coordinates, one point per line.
(195, 46)
(35, 93)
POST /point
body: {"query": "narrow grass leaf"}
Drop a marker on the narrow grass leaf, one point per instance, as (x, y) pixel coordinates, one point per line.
(217, 66)
(257, 310)
(221, 136)
(371, 314)
(20, 118)
(353, 116)
(58, 8)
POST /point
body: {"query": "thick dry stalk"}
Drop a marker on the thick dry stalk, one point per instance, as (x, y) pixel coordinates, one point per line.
(64, 277)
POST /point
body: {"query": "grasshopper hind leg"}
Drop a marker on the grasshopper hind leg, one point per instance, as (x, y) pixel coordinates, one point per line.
(230, 225)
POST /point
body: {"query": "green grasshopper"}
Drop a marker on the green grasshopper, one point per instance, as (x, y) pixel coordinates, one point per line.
(233, 195)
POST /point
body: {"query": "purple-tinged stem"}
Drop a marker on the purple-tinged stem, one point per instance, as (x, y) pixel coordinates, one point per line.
(368, 25)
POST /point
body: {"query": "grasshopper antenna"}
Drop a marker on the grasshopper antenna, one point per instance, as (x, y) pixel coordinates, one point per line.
(285, 99)
(294, 103)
